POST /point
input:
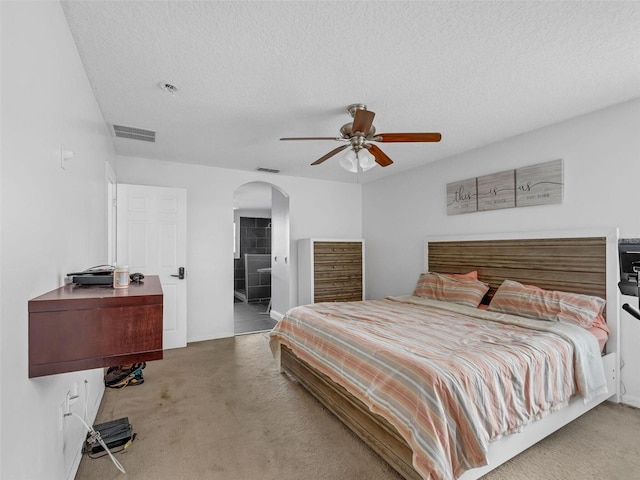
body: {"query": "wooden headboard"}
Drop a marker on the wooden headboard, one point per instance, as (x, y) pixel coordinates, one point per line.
(568, 264)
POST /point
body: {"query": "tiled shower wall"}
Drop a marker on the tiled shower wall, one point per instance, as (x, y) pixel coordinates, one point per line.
(255, 237)
(258, 284)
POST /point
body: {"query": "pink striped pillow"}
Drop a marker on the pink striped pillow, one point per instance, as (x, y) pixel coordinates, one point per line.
(442, 287)
(463, 276)
(534, 302)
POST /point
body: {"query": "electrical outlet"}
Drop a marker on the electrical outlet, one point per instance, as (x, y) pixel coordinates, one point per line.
(73, 431)
(61, 417)
(71, 399)
(67, 404)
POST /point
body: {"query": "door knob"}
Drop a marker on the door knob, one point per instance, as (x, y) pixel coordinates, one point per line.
(180, 273)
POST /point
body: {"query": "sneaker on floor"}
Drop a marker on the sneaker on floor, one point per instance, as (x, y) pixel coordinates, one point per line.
(116, 375)
(123, 382)
(136, 380)
(132, 379)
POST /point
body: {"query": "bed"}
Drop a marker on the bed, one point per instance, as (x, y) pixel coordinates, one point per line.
(430, 445)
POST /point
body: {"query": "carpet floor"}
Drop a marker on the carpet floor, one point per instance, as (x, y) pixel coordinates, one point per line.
(220, 410)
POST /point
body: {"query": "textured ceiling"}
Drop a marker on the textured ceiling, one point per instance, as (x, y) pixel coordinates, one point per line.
(249, 73)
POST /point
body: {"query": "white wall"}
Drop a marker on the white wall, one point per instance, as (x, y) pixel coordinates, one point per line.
(316, 209)
(53, 222)
(281, 281)
(601, 153)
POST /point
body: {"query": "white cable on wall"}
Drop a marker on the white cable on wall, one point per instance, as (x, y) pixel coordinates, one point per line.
(96, 436)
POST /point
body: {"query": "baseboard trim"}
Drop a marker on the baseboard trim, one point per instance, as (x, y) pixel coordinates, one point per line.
(631, 401)
(204, 338)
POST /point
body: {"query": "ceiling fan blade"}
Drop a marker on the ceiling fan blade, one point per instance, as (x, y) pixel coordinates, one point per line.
(407, 137)
(311, 138)
(330, 154)
(380, 156)
(362, 121)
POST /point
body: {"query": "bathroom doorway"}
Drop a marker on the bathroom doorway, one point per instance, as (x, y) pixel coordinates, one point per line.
(261, 275)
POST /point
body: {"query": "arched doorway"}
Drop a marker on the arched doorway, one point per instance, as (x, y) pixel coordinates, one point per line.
(261, 256)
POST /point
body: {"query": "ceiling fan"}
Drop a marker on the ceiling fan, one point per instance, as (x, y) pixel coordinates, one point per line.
(358, 136)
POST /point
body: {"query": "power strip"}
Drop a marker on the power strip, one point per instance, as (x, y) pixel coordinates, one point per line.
(114, 434)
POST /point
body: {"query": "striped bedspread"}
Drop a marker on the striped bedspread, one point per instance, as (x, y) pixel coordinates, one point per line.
(450, 378)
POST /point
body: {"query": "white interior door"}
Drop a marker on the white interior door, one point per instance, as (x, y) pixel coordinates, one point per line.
(152, 239)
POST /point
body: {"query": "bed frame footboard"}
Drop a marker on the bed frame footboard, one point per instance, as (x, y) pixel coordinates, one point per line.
(384, 439)
(374, 430)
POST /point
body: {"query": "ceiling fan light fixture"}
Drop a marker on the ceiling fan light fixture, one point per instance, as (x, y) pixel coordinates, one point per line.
(349, 161)
(367, 160)
(362, 158)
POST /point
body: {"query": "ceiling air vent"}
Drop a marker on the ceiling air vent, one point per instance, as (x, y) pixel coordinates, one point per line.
(134, 133)
(268, 170)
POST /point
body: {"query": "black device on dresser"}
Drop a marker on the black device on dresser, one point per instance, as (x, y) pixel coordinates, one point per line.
(98, 275)
(629, 261)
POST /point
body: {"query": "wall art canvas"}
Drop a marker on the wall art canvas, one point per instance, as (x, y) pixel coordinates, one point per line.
(540, 184)
(496, 191)
(462, 197)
